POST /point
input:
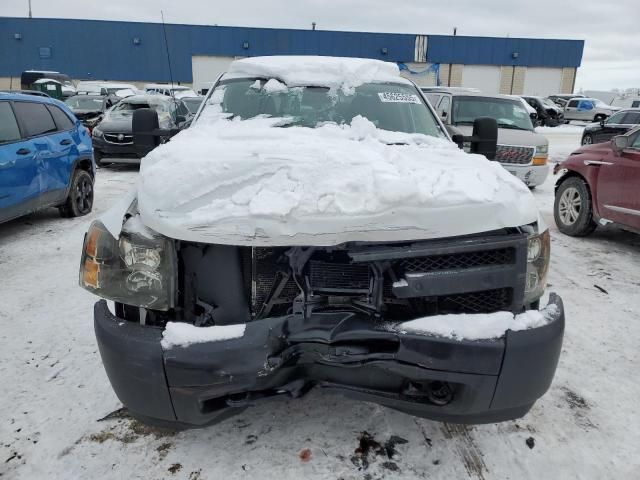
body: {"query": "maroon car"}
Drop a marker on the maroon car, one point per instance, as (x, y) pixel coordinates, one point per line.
(600, 185)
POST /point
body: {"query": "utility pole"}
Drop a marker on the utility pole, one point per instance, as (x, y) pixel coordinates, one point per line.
(30, 15)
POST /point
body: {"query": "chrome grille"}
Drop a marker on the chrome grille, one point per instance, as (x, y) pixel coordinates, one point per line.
(514, 154)
(119, 138)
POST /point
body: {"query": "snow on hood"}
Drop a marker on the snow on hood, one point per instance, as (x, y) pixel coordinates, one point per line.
(332, 72)
(256, 182)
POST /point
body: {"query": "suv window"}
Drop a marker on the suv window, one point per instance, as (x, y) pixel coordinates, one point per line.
(631, 118)
(635, 104)
(35, 117)
(9, 131)
(573, 103)
(62, 120)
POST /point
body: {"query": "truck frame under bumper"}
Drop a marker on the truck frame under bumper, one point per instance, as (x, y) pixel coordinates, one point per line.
(442, 379)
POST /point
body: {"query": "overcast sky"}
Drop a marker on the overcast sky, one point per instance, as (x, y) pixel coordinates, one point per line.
(611, 31)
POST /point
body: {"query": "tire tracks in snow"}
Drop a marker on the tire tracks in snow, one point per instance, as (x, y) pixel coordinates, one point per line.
(467, 449)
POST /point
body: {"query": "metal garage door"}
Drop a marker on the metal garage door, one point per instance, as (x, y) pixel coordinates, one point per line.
(207, 69)
(542, 81)
(483, 77)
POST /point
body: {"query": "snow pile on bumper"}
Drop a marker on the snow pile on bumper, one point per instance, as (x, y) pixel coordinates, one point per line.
(479, 326)
(183, 334)
(254, 183)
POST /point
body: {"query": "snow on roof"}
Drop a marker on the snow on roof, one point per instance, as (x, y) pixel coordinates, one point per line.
(337, 72)
(47, 80)
(252, 183)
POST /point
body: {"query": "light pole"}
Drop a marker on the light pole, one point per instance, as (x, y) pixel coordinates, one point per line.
(30, 15)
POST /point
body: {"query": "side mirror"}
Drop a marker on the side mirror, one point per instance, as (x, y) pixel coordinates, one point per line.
(533, 116)
(443, 115)
(485, 137)
(620, 143)
(458, 139)
(144, 126)
(602, 122)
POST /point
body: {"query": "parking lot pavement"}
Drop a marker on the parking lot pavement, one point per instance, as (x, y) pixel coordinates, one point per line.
(55, 389)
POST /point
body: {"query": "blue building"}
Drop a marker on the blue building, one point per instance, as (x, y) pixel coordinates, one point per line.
(135, 52)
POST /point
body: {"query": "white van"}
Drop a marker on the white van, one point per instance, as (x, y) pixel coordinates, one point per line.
(169, 89)
(104, 88)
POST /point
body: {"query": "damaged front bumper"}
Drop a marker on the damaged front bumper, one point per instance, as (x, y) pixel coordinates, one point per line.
(481, 381)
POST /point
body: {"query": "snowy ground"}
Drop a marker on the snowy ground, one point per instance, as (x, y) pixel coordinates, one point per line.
(55, 389)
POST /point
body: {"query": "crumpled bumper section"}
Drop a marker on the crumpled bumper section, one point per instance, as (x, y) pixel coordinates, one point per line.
(438, 378)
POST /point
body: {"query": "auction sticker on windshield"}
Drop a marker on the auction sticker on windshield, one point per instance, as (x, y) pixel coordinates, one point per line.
(395, 97)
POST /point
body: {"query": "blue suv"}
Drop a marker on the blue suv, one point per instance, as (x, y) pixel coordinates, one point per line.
(46, 158)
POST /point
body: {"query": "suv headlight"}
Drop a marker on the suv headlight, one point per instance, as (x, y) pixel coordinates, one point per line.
(138, 269)
(538, 254)
(96, 132)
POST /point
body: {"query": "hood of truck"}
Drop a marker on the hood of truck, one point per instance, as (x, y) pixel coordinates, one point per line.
(506, 136)
(261, 182)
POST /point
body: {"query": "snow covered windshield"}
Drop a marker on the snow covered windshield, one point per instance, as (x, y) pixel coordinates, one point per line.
(393, 107)
(508, 113)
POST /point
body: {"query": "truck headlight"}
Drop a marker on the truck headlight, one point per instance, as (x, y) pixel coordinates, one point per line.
(541, 155)
(542, 149)
(538, 254)
(138, 269)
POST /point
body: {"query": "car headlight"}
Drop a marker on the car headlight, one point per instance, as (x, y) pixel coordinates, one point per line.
(96, 132)
(137, 269)
(542, 149)
(538, 255)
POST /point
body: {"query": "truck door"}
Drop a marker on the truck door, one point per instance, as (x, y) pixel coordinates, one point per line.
(19, 182)
(619, 185)
(571, 110)
(585, 110)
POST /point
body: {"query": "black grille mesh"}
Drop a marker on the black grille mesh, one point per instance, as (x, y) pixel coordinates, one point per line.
(477, 302)
(338, 276)
(455, 261)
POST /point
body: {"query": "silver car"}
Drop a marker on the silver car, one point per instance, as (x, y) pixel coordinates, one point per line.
(588, 110)
(521, 150)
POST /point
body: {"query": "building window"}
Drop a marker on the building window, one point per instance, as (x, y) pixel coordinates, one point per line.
(45, 52)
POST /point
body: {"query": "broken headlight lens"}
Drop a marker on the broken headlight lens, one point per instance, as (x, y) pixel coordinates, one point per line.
(138, 269)
(538, 254)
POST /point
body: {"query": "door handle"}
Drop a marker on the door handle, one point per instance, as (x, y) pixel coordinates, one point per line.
(66, 141)
(23, 151)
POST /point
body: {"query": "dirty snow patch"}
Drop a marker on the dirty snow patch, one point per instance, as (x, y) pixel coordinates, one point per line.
(478, 326)
(183, 334)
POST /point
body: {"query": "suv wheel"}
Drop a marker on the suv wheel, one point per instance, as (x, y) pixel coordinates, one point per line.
(572, 209)
(80, 199)
(587, 139)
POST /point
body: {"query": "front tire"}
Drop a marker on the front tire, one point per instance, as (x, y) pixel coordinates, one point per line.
(587, 139)
(572, 209)
(79, 202)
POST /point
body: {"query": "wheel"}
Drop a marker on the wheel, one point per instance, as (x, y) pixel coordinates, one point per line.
(572, 209)
(80, 199)
(587, 139)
